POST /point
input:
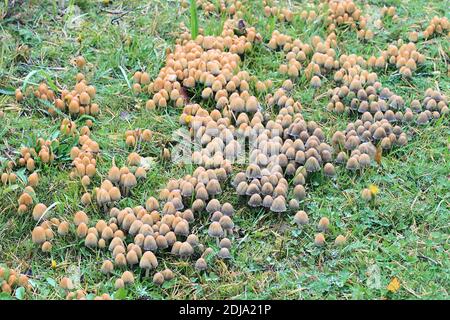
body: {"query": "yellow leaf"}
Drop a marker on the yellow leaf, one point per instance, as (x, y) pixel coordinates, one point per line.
(374, 189)
(394, 285)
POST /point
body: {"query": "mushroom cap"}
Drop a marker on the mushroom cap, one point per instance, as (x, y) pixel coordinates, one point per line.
(226, 223)
(301, 218)
(255, 200)
(267, 201)
(278, 204)
(213, 205)
(168, 274)
(227, 209)
(158, 278)
(312, 165)
(319, 239)
(91, 240)
(127, 277)
(186, 250)
(148, 261)
(224, 253)
(38, 211)
(200, 264)
(182, 228)
(324, 223)
(107, 267)
(215, 229)
(38, 235)
(340, 240)
(225, 243)
(66, 283)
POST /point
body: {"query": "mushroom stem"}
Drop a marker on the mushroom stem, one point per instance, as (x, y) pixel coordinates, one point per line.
(217, 241)
(147, 271)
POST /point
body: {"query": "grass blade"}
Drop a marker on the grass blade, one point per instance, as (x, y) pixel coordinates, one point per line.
(194, 19)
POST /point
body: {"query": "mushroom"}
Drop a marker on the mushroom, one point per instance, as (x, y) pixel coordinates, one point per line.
(148, 261)
(340, 240)
(38, 235)
(224, 253)
(168, 274)
(301, 218)
(186, 250)
(158, 278)
(324, 223)
(107, 267)
(319, 239)
(278, 205)
(200, 264)
(127, 277)
(38, 211)
(215, 230)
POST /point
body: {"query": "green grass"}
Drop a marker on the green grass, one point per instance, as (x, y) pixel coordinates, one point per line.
(404, 234)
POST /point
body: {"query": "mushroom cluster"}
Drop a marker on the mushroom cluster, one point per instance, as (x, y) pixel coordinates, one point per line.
(207, 61)
(11, 279)
(437, 26)
(405, 58)
(42, 152)
(84, 157)
(433, 105)
(281, 14)
(134, 137)
(43, 234)
(345, 12)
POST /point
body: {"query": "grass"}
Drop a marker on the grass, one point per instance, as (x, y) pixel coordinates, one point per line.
(404, 234)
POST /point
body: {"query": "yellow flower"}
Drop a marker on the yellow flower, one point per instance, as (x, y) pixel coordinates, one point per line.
(53, 264)
(374, 189)
(188, 119)
(394, 285)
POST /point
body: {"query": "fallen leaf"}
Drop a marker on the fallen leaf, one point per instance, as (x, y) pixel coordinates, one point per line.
(394, 285)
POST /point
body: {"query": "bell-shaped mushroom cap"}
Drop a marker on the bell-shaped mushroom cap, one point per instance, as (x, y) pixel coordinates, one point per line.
(38, 235)
(329, 170)
(213, 206)
(278, 204)
(241, 189)
(192, 239)
(200, 264)
(225, 243)
(240, 177)
(224, 253)
(132, 258)
(177, 203)
(161, 242)
(352, 164)
(127, 277)
(151, 204)
(319, 239)
(379, 133)
(267, 201)
(186, 250)
(158, 278)
(182, 228)
(176, 248)
(227, 209)
(226, 223)
(169, 208)
(91, 240)
(216, 216)
(324, 223)
(340, 240)
(80, 217)
(312, 165)
(39, 211)
(198, 205)
(150, 243)
(107, 267)
(168, 274)
(148, 261)
(255, 200)
(253, 171)
(252, 189)
(301, 218)
(187, 189)
(119, 283)
(423, 118)
(215, 230)
(66, 283)
(293, 204)
(213, 187)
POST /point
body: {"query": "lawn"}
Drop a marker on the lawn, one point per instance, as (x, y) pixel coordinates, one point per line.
(402, 234)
